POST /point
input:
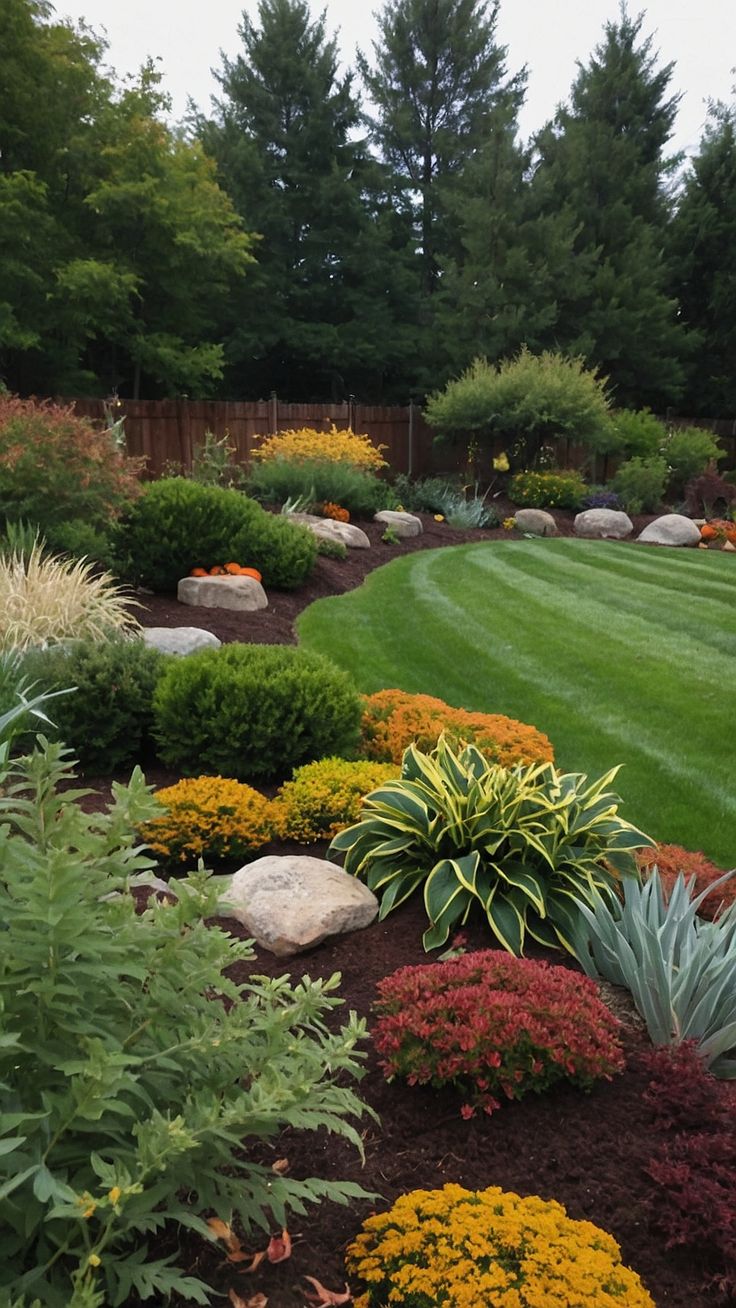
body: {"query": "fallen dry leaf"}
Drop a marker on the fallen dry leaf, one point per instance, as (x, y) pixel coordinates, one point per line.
(257, 1301)
(220, 1230)
(325, 1298)
(279, 1248)
(280, 1167)
(256, 1261)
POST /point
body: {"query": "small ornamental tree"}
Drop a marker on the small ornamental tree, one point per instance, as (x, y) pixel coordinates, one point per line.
(530, 402)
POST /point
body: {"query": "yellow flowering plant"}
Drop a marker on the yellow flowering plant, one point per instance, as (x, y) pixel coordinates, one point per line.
(209, 818)
(323, 798)
(488, 1249)
(306, 443)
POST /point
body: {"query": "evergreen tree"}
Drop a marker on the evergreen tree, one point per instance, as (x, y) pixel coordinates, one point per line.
(704, 266)
(601, 165)
(322, 314)
(438, 80)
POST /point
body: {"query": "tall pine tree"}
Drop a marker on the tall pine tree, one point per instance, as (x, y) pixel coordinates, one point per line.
(326, 310)
(704, 266)
(602, 165)
(438, 81)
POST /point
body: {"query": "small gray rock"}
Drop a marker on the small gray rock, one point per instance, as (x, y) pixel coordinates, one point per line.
(329, 529)
(536, 521)
(292, 902)
(243, 593)
(179, 640)
(603, 524)
(671, 529)
(404, 524)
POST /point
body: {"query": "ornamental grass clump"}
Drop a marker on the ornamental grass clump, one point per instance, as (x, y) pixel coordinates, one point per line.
(139, 1078)
(45, 600)
(335, 446)
(394, 719)
(526, 845)
(495, 1027)
(488, 1249)
(209, 818)
(323, 798)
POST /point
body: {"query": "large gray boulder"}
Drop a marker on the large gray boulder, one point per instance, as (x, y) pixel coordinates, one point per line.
(404, 524)
(290, 903)
(243, 593)
(179, 640)
(671, 529)
(537, 522)
(328, 529)
(603, 524)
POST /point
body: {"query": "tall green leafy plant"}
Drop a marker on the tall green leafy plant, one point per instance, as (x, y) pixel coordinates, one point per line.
(133, 1068)
(528, 845)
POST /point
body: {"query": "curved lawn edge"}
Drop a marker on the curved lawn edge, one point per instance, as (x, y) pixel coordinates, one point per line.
(619, 655)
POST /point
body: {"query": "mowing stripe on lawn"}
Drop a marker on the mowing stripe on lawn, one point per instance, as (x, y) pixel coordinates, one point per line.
(579, 639)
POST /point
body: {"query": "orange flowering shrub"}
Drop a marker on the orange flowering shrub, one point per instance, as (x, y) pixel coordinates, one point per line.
(209, 818)
(335, 511)
(56, 466)
(393, 719)
(488, 1249)
(307, 444)
(673, 859)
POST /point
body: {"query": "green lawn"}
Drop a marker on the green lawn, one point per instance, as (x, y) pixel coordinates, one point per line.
(622, 654)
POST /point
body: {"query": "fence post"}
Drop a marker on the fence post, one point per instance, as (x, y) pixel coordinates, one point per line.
(274, 412)
(410, 452)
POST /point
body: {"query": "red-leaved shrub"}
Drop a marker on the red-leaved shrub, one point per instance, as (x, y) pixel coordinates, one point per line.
(671, 860)
(694, 1204)
(56, 466)
(494, 1025)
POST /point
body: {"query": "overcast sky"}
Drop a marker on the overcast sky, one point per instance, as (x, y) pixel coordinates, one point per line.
(546, 35)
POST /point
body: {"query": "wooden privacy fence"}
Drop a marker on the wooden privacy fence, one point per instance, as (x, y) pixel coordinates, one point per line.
(167, 432)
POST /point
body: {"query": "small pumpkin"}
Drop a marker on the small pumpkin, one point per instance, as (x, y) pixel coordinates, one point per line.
(251, 572)
(198, 572)
(708, 531)
(233, 569)
(217, 571)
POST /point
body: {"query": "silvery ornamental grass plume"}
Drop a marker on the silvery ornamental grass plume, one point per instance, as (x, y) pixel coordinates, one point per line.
(45, 600)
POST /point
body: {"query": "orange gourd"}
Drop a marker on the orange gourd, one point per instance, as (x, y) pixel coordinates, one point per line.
(251, 572)
(217, 571)
(198, 572)
(233, 569)
(708, 531)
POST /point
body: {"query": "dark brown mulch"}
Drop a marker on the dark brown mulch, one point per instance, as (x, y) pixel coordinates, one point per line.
(586, 1151)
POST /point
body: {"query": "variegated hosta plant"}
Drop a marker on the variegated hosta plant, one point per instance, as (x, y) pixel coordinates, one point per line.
(528, 844)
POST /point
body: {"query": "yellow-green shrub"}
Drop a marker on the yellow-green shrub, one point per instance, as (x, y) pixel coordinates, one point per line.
(394, 719)
(308, 444)
(488, 1249)
(209, 818)
(325, 797)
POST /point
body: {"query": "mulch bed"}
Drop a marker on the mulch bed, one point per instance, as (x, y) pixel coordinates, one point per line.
(587, 1151)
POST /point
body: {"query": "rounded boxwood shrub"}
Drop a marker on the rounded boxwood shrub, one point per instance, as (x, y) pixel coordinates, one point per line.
(106, 720)
(493, 1026)
(489, 1249)
(209, 818)
(178, 525)
(253, 711)
(547, 490)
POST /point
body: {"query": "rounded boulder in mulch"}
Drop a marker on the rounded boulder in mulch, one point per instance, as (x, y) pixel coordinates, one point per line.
(493, 1025)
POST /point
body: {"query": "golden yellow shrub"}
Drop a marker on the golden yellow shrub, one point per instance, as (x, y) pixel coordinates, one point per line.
(488, 1249)
(209, 818)
(325, 797)
(306, 443)
(393, 719)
